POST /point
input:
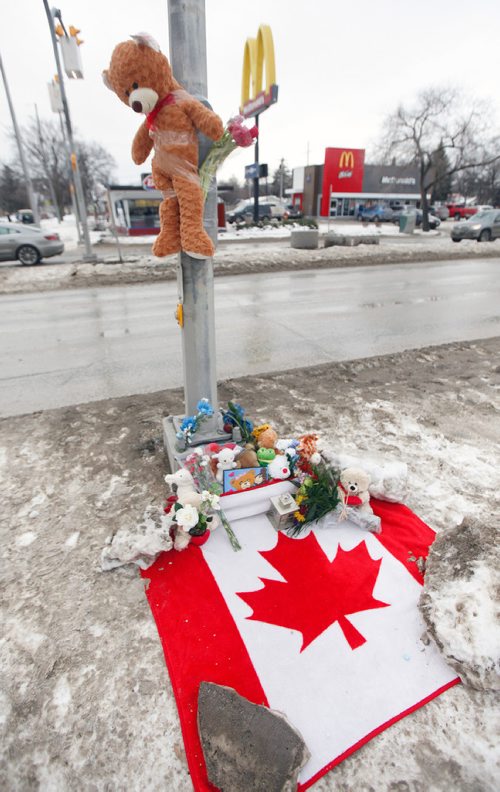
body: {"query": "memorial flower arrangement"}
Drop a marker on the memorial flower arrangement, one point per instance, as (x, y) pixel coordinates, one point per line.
(190, 425)
(317, 495)
(197, 521)
(235, 135)
(198, 464)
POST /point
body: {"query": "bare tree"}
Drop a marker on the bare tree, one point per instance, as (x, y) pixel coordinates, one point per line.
(48, 160)
(441, 121)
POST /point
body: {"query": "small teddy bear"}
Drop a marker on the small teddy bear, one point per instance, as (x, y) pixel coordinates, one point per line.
(354, 483)
(226, 461)
(141, 76)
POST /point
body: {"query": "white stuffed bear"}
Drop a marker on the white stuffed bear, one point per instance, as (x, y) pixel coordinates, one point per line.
(278, 468)
(186, 490)
(226, 461)
(356, 481)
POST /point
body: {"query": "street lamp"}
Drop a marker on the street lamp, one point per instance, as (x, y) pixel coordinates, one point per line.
(74, 66)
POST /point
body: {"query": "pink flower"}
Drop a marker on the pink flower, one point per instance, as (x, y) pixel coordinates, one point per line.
(241, 135)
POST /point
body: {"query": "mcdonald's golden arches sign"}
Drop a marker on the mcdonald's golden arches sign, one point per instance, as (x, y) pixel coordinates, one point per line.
(258, 59)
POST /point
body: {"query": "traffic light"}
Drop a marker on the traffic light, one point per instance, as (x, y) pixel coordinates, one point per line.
(73, 31)
(71, 53)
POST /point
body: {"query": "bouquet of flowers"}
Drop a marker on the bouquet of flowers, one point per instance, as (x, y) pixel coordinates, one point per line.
(191, 423)
(198, 465)
(235, 134)
(235, 416)
(317, 495)
(197, 521)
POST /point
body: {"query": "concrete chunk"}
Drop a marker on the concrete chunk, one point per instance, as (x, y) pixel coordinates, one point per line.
(247, 747)
(307, 239)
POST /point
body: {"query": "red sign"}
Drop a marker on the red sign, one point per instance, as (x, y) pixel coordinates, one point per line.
(148, 183)
(343, 173)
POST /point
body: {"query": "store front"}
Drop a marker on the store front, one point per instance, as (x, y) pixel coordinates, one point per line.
(345, 184)
(134, 211)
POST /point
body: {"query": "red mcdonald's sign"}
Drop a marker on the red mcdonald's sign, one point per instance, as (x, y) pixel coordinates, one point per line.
(343, 173)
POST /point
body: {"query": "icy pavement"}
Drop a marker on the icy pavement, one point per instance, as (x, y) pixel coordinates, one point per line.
(86, 701)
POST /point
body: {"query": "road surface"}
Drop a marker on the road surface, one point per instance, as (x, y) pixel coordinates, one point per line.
(72, 346)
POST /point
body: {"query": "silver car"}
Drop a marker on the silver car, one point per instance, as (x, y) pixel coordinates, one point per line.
(27, 243)
(483, 226)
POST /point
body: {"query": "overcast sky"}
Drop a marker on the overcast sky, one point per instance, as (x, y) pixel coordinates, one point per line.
(341, 67)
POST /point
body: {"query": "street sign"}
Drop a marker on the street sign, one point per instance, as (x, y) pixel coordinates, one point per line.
(147, 182)
(256, 171)
(252, 171)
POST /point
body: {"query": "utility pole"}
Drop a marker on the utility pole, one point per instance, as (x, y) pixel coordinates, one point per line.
(282, 165)
(195, 277)
(256, 180)
(80, 200)
(29, 184)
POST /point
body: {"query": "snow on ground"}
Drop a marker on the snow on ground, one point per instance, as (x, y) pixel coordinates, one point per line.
(233, 256)
(86, 700)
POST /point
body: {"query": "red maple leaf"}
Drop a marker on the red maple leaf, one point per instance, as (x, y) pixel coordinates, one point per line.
(316, 592)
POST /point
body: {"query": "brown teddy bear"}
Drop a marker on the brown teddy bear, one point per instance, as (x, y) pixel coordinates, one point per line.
(141, 77)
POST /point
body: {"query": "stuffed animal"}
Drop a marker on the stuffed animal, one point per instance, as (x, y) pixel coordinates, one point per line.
(267, 438)
(183, 483)
(279, 468)
(354, 483)
(226, 461)
(247, 458)
(140, 75)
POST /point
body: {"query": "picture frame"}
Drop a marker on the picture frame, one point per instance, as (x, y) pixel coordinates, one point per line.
(243, 479)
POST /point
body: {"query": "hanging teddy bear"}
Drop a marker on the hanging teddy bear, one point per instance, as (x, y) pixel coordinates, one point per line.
(140, 75)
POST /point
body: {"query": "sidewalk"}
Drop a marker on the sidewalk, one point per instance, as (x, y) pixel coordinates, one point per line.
(88, 703)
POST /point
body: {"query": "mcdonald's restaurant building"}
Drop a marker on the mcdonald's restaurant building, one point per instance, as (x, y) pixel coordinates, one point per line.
(344, 183)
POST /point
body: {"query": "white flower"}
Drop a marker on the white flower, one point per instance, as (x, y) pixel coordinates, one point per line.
(315, 459)
(211, 499)
(187, 517)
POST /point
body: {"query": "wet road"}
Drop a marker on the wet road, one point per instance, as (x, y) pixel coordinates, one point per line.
(66, 347)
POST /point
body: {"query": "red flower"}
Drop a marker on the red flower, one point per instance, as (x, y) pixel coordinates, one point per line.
(241, 135)
(169, 504)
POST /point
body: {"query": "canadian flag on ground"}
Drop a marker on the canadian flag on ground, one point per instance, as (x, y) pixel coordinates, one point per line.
(324, 628)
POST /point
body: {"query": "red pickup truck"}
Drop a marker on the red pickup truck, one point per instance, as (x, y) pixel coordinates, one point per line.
(461, 212)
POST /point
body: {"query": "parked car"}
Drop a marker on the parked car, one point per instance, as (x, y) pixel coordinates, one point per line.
(440, 211)
(27, 244)
(483, 226)
(25, 216)
(267, 210)
(376, 213)
(293, 212)
(434, 222)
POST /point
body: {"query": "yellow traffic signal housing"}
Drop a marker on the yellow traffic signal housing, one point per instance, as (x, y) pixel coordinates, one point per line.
(73, 31)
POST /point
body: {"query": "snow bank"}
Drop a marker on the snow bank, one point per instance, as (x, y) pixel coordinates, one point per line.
(139, 545)
(460, 601)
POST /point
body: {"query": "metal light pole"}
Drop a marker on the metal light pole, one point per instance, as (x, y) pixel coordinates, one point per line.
(256, 181)
(195, 277)
(80, 200)
(19, 140)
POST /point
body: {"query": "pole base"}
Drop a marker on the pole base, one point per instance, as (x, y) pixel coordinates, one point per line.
(176, 457)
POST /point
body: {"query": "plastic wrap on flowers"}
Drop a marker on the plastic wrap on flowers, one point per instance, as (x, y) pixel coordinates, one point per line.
(236, 135)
